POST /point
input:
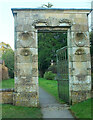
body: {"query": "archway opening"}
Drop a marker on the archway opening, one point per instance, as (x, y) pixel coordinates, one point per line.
(49, 42)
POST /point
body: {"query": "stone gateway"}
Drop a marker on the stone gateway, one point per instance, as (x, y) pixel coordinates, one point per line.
(27, 23)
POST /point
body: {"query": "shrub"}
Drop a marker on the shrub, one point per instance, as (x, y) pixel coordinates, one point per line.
(53, 68)
(49, 75)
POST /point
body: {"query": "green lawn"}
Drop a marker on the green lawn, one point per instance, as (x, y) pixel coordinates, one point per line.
(8, 83)
(83, 109)
(10, 111)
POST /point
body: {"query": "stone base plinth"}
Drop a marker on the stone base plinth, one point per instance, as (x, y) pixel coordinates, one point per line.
(79, 96)
(26, 99)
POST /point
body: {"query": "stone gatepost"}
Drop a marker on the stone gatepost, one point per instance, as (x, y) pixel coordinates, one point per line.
(79, 60)
(26, 63)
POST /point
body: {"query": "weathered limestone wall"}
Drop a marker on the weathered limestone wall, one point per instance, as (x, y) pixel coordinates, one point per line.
(79, 63)
(27, 23)
(26, 64)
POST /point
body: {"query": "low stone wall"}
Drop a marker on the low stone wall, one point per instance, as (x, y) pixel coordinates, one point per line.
(7, 96)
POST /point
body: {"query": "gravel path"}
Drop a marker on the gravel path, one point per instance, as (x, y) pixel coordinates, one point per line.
(51, 108)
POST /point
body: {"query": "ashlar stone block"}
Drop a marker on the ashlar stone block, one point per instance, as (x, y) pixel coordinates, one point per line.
(26, 80)
(80, 39)
(26, 55)
(24, 69)
(26, 88)
(26, 39)
(78, 96)
(80, 68)
(26, 99)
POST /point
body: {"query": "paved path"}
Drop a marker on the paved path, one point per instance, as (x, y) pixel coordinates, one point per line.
(51, 108)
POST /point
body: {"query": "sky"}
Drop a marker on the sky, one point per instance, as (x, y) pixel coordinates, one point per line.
(7, 20)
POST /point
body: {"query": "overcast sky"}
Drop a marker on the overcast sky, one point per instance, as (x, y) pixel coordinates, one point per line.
(6, 17)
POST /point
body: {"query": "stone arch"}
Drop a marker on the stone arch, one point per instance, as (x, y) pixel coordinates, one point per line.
(27, 24)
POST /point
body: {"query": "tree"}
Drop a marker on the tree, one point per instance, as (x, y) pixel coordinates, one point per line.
(8, 57)
(48, 43)
(91, 51)
(91, 48)
(49, 5)
(4, 46)
(91, 41)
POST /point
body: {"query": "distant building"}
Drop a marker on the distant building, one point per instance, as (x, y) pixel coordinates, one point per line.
(3, 71)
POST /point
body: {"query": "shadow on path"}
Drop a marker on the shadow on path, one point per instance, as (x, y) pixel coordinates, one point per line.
(51, 108)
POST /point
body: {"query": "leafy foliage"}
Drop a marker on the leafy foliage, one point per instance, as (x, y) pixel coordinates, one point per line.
(8, 57)
(91, 51)
(49, 75)
(4, 46)
(53, 68)
(49, 42)
(49, 5)
(91, 40)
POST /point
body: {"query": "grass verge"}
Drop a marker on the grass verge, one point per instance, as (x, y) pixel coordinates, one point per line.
(7, 83)
(82, 109)
(10, 111)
